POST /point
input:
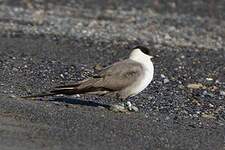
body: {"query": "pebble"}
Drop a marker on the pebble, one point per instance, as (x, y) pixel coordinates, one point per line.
(146, 116)
(206, 93)
(163, 76)
(135, 109)
(61, 75)
(180, 82)
(38, 16)
(222, 93)
(218, 82)
(172, 28)
(76, 96)
(211, 105)
(182, 56)
(167, 37)
(12, 96)
(4, 92)
(15, 69)
(195, 86)
(208, 116)
(195, 115)
(167, 118)
(209, 79)
(198, 112)
(166, 81)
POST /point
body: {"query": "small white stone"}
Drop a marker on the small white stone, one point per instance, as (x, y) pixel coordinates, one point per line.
(222, 93)
(195, 115)
(182, 56)
(172, 28)
(209, 79)
(15, 69)
(134, 108)
(12, 96)
(167, 37)
(76, 96)
(84, 31)
(198, 112)
(166, 81)
(218, 82)
(167, 118)
(211, 105)
(61, 75)
(205, 92)
(163, 76)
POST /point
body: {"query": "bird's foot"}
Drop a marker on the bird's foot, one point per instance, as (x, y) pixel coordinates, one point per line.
(124, 107)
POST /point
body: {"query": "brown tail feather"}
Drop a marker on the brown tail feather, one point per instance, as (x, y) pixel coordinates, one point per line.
(72, 90)
(85, 86)
(68, 86)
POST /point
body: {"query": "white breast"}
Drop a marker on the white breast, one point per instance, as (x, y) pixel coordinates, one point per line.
(146, 78)
(143, 82)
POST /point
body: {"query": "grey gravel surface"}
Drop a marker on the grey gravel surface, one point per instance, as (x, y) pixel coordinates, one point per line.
(48, 43)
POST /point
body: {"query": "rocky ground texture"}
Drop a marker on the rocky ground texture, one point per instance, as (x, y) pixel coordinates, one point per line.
(48, 43)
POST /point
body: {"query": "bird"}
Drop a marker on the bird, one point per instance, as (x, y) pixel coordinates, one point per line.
(122, 79)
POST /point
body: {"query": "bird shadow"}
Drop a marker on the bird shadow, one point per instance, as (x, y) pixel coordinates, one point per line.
(75, 101)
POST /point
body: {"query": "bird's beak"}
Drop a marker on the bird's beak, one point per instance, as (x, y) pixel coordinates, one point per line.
(151, 57)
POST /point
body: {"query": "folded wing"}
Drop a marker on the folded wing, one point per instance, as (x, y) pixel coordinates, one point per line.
(113, 78)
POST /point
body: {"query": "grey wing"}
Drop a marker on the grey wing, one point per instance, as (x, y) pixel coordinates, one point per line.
(120, 75)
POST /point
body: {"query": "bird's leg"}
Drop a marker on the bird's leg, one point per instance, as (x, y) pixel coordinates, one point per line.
(123, 106)
(130, 106)
(119, 106)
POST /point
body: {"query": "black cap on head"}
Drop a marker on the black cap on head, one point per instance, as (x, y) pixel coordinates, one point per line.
(145, 50)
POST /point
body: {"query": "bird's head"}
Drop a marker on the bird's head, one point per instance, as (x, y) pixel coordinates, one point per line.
(140, 53)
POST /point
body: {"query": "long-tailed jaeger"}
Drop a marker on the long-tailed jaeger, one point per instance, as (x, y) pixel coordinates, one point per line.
(122, 79)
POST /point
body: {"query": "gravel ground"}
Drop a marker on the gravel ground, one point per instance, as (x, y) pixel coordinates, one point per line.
(47, 43)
